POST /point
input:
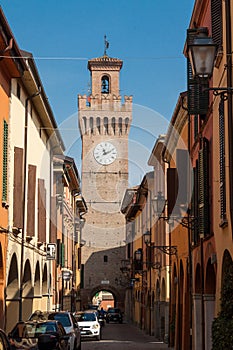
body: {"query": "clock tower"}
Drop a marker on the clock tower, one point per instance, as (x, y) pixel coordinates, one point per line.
(104, 123)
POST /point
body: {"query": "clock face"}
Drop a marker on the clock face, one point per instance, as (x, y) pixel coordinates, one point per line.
(105, 153)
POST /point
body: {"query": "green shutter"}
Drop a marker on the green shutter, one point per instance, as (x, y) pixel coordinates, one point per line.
(62, 262)
(4, 170)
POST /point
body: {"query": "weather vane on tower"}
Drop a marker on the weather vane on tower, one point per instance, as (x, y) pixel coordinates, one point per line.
(106, 45)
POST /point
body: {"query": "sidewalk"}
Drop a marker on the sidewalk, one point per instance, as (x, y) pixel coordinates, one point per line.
(140, 335)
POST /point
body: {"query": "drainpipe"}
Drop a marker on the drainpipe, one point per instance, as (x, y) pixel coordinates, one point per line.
(229, 102)
(24, 200)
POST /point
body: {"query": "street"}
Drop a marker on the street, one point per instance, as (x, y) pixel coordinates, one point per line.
(123, 336)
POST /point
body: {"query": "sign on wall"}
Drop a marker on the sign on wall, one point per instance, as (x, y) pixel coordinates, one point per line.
(51, 249)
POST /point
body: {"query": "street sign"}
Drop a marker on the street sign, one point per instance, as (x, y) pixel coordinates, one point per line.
(51, 249)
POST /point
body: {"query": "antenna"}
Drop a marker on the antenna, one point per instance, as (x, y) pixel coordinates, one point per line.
(106, 45)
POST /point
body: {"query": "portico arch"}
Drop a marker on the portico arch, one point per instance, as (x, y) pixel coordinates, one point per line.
(12, 294)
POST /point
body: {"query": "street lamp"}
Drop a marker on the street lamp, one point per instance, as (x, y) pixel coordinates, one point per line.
(202, 53)
(166, 249)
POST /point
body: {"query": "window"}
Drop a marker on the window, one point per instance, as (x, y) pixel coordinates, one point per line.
(203, 184)
(216, 16)
(106, 125)
(4, 170)
(222, 174)
(105, 258)
(105, 85)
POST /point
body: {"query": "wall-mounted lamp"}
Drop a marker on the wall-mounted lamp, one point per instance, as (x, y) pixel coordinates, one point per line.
(166, 249)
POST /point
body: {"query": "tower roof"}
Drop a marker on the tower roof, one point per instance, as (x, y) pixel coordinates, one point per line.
(104, 61)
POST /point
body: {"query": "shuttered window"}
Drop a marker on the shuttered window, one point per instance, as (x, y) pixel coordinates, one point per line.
(196, 126)
(18, 188)
(53, 220)
(31, 200)
(60, 253)
(41, 211)
(203, 184)
(222, 161)
(5, 158)
(184, 177)
(216, 16)
(194, 205)
(172, 190)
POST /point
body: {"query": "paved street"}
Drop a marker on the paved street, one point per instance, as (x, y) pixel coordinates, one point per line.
(123, 337)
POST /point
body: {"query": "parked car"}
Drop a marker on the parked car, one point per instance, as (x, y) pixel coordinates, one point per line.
(42, 335)
(88, 324)
(67, 320)
(4, 341)
(114, 315)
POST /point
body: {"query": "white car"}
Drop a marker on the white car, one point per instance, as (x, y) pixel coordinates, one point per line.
(88, 324)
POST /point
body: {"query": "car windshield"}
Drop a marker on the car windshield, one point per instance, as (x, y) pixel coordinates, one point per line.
(85, 317)
(111, 311)
(63, 318)
(33, 330)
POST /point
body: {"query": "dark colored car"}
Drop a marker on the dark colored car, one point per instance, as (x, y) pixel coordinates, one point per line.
(114, 315)
(42, 335)
(4, 341)
(67, 320)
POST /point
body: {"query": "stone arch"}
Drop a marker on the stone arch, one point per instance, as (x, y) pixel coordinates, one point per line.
(100, 287)
(12, 289)
(163, 290)
(226, 263)
(197, 285)
(45, 281)
(210, 280)
(28, 292)
(12, 293)
(37, 290)
(105, 84)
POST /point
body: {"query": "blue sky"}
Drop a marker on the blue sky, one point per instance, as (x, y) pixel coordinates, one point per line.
(148, 35)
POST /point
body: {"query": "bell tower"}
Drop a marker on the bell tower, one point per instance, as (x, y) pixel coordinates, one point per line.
(104, 123)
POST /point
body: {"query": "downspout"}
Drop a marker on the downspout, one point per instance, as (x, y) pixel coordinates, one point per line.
(229, 102)
(24, 200)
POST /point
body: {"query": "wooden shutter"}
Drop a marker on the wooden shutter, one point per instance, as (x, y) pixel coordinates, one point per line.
(53, 221)
(172, 190)
(198, 97)
(216, 16)
(195, 205)
(5, 162)
(184, 176)
(18, 188)
(222, 161)
(203, 178)
(41, 211)
(31, 200)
